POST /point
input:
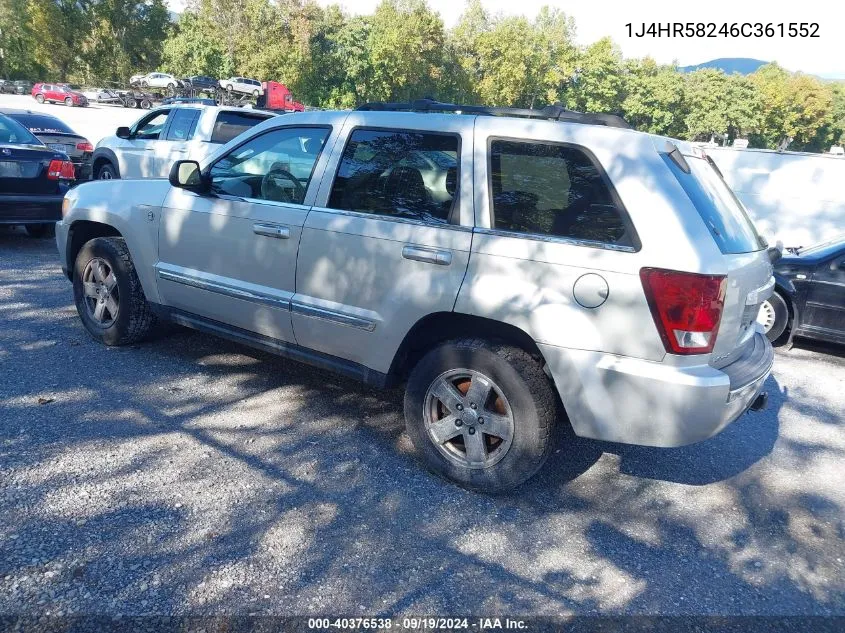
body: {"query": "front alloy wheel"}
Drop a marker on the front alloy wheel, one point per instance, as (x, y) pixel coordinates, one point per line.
(102, 297)
(468, 418)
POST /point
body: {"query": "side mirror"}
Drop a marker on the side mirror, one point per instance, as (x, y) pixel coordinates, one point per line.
(123, 132)
(186, 174)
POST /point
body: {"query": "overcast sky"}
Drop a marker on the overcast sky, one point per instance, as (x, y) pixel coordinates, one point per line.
(597, 18)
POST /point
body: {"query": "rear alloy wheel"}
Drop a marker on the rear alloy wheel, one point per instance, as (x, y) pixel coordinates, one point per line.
(106, 172)
(39, 98)
(773, 316)
(108, 294)
(69, 102)
(480, 413)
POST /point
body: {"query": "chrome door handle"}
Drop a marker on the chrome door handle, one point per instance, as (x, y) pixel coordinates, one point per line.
(272, 230)
(427, 255)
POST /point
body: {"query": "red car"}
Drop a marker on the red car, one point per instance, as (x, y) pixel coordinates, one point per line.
(58, 93)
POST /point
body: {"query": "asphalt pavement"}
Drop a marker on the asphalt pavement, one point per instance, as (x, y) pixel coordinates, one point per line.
(188, 475)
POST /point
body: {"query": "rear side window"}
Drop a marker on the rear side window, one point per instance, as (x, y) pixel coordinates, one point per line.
(230, 124)
(718, 206)
(183, 124)
(400, 173)
(556, 190)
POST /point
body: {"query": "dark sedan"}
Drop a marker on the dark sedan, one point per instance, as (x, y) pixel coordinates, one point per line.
(33, 179)
(809, 297)
(200, 83)
(56, 134)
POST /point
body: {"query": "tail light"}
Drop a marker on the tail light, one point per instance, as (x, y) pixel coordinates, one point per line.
(60, 169)
(686, 307)
(85, 147)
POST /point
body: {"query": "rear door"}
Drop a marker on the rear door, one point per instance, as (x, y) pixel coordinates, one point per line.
(389, 240)
(181, 128)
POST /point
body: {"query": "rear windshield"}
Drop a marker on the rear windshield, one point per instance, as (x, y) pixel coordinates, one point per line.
(230, 124)
(13, 133)
(40, 124)
(721, 210)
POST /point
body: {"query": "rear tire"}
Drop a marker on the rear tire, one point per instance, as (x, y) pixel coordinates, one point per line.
(69, 102)
(108, 294)
(519, 411)
(39, 98)
(106, 171)
(774, 316)
(39, 231)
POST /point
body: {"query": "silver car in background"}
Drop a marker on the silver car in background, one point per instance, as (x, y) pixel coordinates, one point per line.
(514, 268)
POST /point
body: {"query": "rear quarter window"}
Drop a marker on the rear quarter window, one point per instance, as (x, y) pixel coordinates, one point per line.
(722, 212)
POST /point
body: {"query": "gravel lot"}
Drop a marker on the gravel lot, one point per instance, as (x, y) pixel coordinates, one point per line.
(188, 475)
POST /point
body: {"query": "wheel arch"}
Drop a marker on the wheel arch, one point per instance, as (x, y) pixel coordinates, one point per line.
(439, 327)
(83, 231)
(101, 156)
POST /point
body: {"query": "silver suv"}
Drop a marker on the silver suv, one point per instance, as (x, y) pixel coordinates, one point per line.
(514, 268)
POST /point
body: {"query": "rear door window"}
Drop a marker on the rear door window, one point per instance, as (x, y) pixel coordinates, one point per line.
(182, 124)
(556, 190)
(229, 124)
(718, 206)
(400, 173)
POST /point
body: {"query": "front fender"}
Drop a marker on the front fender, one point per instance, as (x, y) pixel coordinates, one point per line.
(130, 207)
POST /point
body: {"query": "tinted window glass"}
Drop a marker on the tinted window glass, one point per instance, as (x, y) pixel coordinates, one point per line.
(41, 124)
(404, 174)
(552, 190)
(230, 124)
(150, 129)
(274, 166)
(183, 124)
(14, 133)
(720, 209)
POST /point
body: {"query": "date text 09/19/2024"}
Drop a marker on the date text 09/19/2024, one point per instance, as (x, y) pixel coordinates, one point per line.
(417, 624)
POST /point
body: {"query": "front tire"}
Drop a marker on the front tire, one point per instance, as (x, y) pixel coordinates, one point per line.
(774, 316)
(108, 295)
(481, 414)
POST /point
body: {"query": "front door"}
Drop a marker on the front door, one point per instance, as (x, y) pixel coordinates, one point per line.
(390, 240)
(230, 255)
(141, 153)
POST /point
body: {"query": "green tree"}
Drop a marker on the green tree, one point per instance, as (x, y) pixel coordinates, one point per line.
(720, 104)
(61, 27)
(126, 35)
(655, 98)
(599, 82)
(17, 41)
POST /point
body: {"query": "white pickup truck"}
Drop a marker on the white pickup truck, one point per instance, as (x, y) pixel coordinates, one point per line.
(164, 135)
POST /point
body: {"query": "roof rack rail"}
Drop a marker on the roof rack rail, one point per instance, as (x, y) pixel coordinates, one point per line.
(554, 112)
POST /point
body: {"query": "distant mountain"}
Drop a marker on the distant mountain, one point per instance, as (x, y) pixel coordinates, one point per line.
(741, 65)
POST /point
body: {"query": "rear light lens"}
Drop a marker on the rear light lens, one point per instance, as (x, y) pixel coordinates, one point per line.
(60, 169)
(687, 308)
(85, 147)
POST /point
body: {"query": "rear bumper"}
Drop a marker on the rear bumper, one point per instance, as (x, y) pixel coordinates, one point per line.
(635, 401)
(30, 209)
